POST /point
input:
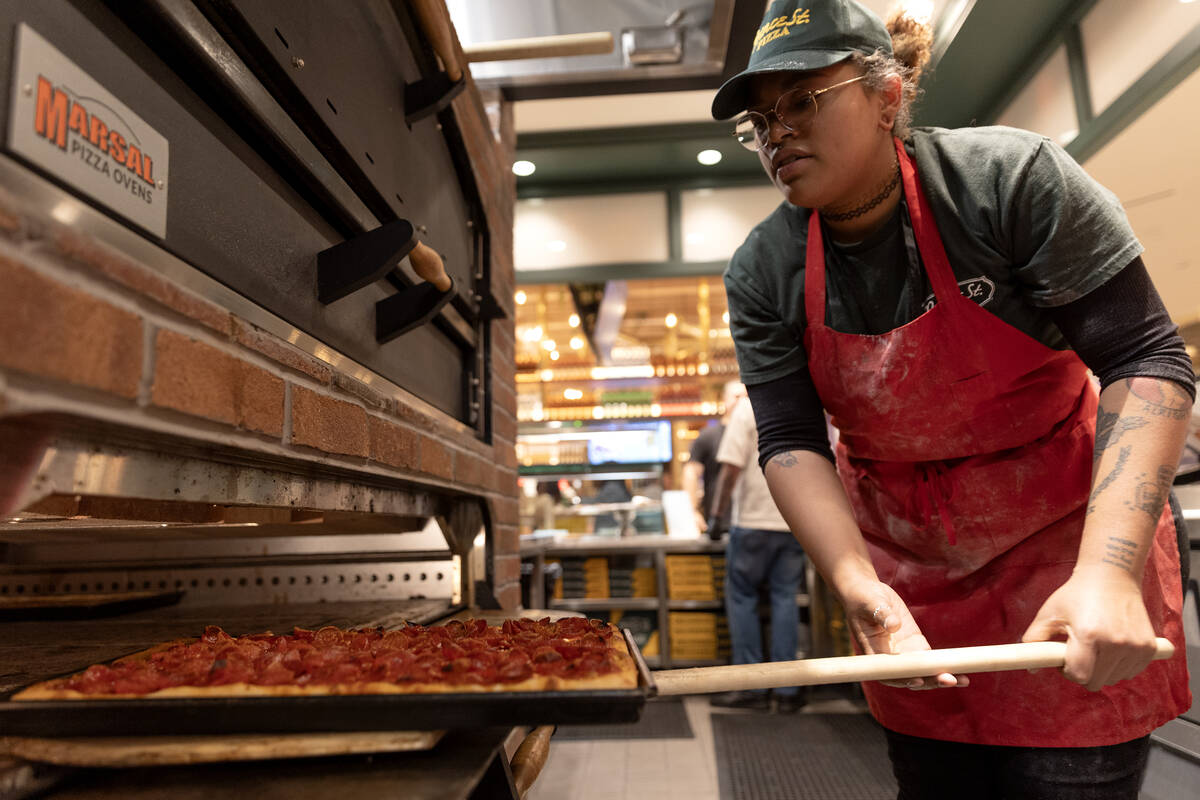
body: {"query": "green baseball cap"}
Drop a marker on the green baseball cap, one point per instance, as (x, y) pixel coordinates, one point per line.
(799, 35)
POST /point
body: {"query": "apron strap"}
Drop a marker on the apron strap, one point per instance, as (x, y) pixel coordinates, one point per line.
(929, 243)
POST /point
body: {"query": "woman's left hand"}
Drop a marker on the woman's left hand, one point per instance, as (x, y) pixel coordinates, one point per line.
(1101, 613)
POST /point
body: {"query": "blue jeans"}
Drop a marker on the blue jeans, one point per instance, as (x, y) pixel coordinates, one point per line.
(753, 557)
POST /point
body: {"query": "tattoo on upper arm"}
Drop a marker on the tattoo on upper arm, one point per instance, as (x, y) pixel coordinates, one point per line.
(1161, 398)
(785, 460)
(1110, 427)
(1120, 553)
(1117, 469)
(1151, 495)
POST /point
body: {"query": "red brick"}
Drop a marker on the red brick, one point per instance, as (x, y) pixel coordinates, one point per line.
(9, 223)
(505, 569)
(52, 330)
(328, 424)
(436, 458)
(394, 445)
(508, 596)
(504, 371)
(506, 539)
(411, 415)
(471, 470)
(504, 480)
(504, 424)
(505, 510)
(361, 391)
(504, 397)
(143, 281)
(281, 352)
(195, 378)
(506, 454)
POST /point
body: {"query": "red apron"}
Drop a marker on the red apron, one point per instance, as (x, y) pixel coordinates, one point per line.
(966, 452)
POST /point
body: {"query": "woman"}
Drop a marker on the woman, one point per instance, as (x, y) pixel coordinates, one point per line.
(943, 294)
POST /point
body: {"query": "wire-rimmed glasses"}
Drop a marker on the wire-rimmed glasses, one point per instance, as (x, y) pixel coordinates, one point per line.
(795, 109)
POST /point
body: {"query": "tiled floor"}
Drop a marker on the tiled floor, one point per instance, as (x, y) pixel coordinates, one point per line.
(635, 769)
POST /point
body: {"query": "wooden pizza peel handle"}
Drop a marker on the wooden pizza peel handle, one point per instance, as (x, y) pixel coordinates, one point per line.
(958, 661)
(435, 23)
(530, 757)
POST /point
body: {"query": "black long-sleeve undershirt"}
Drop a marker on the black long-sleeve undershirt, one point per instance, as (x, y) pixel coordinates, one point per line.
(1119, 330)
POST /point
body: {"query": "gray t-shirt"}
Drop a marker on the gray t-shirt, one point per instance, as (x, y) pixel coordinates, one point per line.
(1024, 227)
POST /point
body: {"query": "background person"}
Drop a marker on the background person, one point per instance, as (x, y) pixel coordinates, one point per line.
(700, 471)
(761, 552)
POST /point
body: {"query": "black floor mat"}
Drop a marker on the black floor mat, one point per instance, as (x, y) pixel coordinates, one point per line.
(802, 756)
(661, 719)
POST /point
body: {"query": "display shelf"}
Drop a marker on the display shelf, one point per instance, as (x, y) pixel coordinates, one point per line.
(604, 604)
(658, 546)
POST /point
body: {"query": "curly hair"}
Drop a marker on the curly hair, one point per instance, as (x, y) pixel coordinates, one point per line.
(912, 45)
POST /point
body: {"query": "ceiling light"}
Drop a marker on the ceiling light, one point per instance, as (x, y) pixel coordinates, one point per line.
(671, 320)
(523, 168)
(547, 375)
(556, 245)
(576, 343)
(572, 394)
(554, 355)
(532, 334)
(709, 157)
(573, 320)
(520, 298)
(549, 345)
(725, 317)
(702, 369)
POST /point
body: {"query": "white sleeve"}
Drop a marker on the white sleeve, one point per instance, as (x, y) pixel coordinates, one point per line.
(739, 443)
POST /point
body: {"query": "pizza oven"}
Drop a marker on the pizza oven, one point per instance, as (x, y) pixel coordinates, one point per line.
(225, 395)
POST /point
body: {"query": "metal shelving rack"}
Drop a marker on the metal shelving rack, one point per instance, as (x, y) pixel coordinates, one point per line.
(660, 546)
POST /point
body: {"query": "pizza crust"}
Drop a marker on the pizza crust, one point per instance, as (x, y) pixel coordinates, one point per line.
(625, 677)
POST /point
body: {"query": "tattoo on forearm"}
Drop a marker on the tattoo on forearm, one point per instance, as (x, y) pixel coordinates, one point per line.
(1151, 495)
(785, 460)
(1110, 427)
(1120, 553)
(1117, 469)
(1161, 398)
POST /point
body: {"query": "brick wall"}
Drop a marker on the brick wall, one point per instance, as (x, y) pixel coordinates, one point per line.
(80, 320)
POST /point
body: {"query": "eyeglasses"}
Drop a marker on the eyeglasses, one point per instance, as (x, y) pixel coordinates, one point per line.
(795, 110)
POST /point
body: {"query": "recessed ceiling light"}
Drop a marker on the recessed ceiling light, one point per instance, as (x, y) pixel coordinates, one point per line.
(671, 320)
(709, 157)
(572, 394)
(523, 168)
(576, 343)
(520, 298)
(573, 320)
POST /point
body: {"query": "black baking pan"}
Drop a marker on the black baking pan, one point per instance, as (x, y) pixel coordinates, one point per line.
(82, 606)
(376, 712)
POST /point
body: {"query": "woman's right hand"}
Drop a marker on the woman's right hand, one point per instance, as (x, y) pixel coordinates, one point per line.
(882, 623)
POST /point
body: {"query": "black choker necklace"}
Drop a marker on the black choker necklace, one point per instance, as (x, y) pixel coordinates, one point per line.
(867, 206)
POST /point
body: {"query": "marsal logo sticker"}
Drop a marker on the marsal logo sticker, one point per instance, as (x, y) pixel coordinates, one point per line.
(99, 141)
(63, 121)
(979, 289)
